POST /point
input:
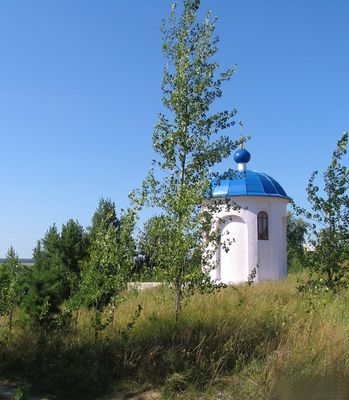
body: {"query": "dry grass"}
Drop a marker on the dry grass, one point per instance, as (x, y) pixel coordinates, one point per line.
(240, 342)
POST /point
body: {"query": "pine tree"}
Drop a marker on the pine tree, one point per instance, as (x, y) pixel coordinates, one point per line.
(10, 288)
(105, 217)
(42, 299)
(110, 260)
(45, 284)
(73, 244)
(48, 258)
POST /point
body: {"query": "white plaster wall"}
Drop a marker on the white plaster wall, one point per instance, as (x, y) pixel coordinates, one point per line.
(235, 261)
(138, 286)
(269, 255)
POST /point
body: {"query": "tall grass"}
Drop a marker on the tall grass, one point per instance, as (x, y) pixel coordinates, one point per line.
(242, 340)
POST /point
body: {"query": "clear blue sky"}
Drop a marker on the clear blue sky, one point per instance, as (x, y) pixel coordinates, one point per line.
(80, 93)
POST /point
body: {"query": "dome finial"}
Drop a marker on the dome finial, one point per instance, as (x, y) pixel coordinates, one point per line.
(242, 156)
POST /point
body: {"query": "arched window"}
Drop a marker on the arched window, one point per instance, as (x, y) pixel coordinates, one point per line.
(263, 232)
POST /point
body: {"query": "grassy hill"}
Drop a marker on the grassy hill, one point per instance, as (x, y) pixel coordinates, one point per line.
(245, 342)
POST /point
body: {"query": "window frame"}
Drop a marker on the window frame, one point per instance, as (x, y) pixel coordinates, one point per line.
(263, 225)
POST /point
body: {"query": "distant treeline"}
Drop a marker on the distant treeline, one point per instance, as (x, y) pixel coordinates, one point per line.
(24, 261)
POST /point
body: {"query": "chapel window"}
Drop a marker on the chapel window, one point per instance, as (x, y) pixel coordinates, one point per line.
(263, 231)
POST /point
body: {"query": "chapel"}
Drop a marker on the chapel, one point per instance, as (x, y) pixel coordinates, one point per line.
(254, 233)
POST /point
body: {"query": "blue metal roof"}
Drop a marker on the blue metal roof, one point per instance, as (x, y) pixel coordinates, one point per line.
(248, 183)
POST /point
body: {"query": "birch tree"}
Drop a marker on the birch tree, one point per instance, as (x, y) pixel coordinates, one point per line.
(188, 140)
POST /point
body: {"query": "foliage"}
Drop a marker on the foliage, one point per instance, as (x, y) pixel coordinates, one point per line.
(297, 229)
(10, 288)
(110, 260)
(21, 393)
(153, 237)
(188, 140)
(104, 217)
(74, 247)
(237, 342)
(62, 253)
(43, 297)
(53, 277)
(48, 257)
(51, 251)
(330, 221)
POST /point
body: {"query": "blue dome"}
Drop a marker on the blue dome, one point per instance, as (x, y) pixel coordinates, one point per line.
(242, 156)
(248, 183)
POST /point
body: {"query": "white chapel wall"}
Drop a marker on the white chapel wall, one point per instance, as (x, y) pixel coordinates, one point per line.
(270, 255)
